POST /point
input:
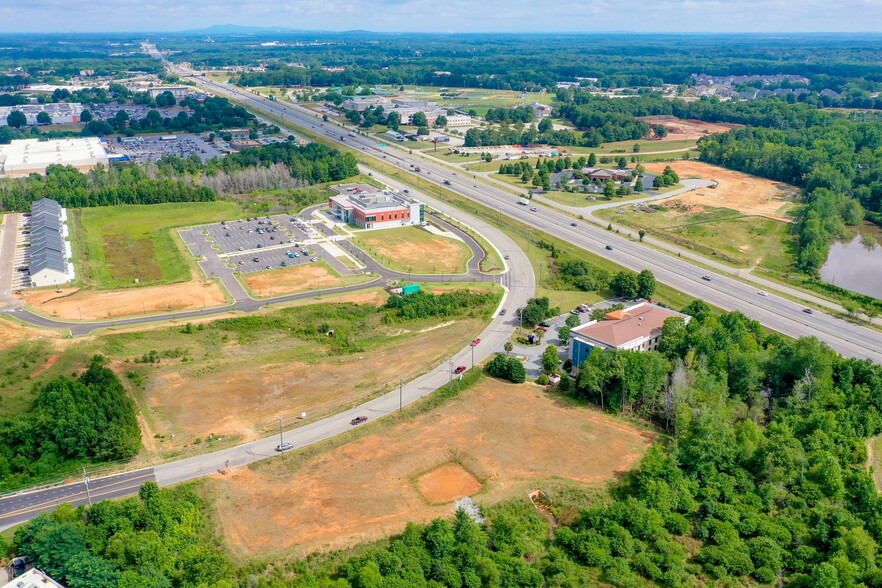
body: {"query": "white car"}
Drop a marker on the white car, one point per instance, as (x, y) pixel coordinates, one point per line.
(763, 293)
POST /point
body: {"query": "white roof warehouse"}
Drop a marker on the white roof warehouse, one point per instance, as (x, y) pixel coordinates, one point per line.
(24, 157)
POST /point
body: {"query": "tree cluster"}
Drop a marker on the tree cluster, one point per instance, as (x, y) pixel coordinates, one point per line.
(507, 368)
(418, 305)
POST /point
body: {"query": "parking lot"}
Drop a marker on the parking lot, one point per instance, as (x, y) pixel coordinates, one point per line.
(137, 111)
(275, 258)
(255, 233)
(21, 278)
(154, 147)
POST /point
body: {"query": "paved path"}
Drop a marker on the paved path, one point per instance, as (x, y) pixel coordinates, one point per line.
(8, 236)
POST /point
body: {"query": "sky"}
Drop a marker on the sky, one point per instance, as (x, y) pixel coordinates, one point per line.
(458, 16)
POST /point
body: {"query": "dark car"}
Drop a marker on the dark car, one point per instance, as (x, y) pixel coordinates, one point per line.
(609, 247)
(808, 311)
(502, 312)
(543, 324)
(572, 224)
(460, 369)
(358, 420)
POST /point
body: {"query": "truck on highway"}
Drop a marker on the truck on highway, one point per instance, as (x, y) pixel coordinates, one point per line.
(446, 182)
(523, 201)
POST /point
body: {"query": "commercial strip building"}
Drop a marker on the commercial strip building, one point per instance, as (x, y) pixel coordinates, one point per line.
(636, 328)
(59, 112)
(49, 250)
(177, 91)
(376, 210)
(24, 157)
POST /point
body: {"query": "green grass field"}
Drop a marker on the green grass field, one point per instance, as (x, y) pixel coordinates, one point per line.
(723, 233)
(115, 245)
(413, 249)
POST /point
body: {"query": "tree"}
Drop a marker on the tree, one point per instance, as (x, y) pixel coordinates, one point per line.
(544, 125)
(393, 120)
(660, 131)
(550, 359)
(638, 185)
(517, 372)
(422, 131)
(572, 321)
(636, 148)
(165, 99)
(85, 116)
(622, 161)
(419, 120)
(43, 118)
(641, 233)
(592, 160)
(645, 284)
(16, 119)
(508, 346)
(441, 121)
(625, 285)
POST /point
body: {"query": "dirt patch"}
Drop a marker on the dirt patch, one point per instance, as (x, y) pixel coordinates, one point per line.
(50, 361)
(415, 249)
(243, 396)
(448, 483)
(287, 280)
(509, 435)
(735, 190)
(12, 333)
(377, 297)
(85, 305)
(681, 129)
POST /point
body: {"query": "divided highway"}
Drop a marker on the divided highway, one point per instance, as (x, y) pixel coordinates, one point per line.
(777, 313)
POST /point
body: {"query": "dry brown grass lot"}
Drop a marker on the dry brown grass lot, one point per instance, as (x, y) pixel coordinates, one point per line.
(496, 441)
(243, 392)
(413, 249)
(12, 333)
(75, 304)
(287, 280)
(736, 190)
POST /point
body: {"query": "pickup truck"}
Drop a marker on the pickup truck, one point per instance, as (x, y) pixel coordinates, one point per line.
(358, 420)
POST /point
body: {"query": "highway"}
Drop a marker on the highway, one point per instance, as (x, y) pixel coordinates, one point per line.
(780, 314)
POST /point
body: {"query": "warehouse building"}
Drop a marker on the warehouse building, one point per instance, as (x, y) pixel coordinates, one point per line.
(24, 157)
(376, 210)
(177, 91)
(637, 328)
(60, 112)
(50, 249)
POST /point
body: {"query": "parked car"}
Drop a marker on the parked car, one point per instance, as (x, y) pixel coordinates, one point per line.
(284, 447)
(574, 311)
(544, 324)
(358, 420)
(460, 369)
(543, 329)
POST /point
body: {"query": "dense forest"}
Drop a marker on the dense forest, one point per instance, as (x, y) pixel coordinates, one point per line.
(173, 179)
(87, 419)
(762, 478)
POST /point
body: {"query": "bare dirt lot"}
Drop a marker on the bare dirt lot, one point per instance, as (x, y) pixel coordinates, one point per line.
(738, 191)
(12, 333)
(243, 397)
(507, 437)
(414, 249)
(680, 129)
(291, 279)
(75, 304)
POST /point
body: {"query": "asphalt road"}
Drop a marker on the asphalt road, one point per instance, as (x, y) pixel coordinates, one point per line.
(774, 312)
(21, 507)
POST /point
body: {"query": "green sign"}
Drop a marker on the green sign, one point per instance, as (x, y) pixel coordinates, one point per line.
(382, 144)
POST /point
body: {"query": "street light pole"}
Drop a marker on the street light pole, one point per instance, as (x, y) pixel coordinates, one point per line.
(281, 441)
(86, 481)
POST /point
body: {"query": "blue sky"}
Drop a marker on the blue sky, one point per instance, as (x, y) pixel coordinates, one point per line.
(447, 15)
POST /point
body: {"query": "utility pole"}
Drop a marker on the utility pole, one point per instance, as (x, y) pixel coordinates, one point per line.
(400, 392)
(449, 374)
(86, 481)
(281, 441)
(473, 355)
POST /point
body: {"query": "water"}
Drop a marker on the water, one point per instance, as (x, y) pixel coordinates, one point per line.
(854, 266)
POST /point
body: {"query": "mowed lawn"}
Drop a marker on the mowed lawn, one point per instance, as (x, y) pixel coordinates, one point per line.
(115, 245)
(415, 250)
(745, 240)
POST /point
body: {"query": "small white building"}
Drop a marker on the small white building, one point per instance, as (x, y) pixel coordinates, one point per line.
(33, 578)
(458, 120)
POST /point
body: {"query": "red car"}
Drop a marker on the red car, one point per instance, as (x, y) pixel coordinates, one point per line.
(358, 420)
(460, 369)
(544, 329)
(476, 341)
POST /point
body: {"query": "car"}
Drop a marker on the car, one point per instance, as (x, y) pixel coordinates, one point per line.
(283, 263)
(358, 420)
(533, 209)
(572, 224)
(544, 324)
(460, 369)
(543, 329)
(406, 191)
(476, 341)
(808, 311)
(574, 311)
(502, 312)
(241, 248)
(269, 267)
(241, 262)
(763, 293)
(706, 278)
(508, 257)
(259, 245)
(313, 259)
(255, 259)
(284, 447)
(609, 248)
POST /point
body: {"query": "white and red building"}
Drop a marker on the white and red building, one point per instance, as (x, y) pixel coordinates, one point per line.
(376, 210)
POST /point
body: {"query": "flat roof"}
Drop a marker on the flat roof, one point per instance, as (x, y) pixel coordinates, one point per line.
(638, 321)
(25, 155)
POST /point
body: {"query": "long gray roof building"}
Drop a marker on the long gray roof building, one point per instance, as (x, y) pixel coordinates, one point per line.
(47, 258)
